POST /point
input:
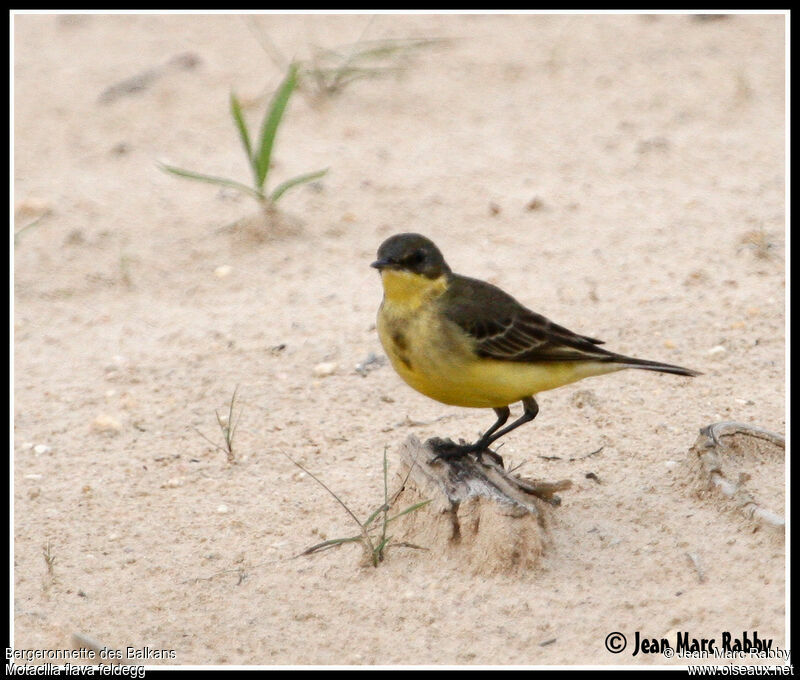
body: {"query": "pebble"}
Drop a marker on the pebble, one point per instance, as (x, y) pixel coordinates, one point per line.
(583, 398)
(326, 368)
(117, 362)
(372, 362)
(222, 271)
(106, 425)
(670, 464)
(32, 207)
(223, 509)
(42, 448)
(716, 351)
(33, 476)
(173, 483)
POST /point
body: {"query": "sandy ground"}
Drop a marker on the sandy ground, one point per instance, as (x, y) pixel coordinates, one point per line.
(623, 175)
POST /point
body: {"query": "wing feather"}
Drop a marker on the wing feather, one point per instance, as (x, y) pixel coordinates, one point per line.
(504, 329)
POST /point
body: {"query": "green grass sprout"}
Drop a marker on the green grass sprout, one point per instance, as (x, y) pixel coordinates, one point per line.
(227, 427)
(259, 155)
(373, 534)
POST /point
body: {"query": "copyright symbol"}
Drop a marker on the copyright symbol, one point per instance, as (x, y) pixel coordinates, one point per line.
(669, 652)
(615, 642)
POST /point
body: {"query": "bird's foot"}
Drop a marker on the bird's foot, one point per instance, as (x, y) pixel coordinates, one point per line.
(447, 449)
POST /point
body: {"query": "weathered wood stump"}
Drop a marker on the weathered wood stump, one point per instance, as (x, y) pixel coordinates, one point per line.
(482, 516)
(744, 466)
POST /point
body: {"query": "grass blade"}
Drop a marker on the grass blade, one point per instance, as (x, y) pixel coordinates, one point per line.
(371, 518)
(410, 508)
(210, 179)
(270, 125)
(30, 225)
(324, 486)
(241, 125)
(385, 502)
(282, 188)
(377, 556)
(331, 543)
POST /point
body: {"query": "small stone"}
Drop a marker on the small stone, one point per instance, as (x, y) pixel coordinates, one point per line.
(186, 61)
(670, 464)
(717, 351)
(372, 362)
(669, 344)
(173, 483)
(223, 509)
(117, 363)
(33, 476)
(222, 271)
(583, 398)
(324, 369)
(105, 424)
(39, 449)
(32, 207)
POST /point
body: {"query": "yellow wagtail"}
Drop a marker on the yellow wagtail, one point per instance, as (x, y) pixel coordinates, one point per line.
(465, 342)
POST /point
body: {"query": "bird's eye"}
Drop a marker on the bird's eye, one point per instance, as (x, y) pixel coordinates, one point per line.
(414, 259)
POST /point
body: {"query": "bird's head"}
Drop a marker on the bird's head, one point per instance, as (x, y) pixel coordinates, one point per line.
(411, 253)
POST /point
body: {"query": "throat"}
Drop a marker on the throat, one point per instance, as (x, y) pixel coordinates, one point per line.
(410, 290)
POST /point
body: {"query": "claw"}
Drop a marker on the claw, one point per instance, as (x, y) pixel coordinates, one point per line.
(447, 449)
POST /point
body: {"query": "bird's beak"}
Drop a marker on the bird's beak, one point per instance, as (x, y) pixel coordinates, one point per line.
(383, 262)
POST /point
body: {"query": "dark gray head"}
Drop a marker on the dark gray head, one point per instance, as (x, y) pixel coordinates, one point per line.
(412, 253)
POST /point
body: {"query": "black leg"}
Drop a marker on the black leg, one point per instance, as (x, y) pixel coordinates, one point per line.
(531, 409)
(448, 449)
(482, 445)
(503, 415)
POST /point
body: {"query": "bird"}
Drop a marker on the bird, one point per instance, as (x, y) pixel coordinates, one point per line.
(466, 342)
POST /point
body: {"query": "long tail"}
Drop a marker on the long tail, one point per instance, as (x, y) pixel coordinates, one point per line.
(630, 362)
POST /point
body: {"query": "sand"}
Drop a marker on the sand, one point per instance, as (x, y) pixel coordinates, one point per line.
(623, 175)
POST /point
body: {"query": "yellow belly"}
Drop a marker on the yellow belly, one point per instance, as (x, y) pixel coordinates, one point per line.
(435, 357)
